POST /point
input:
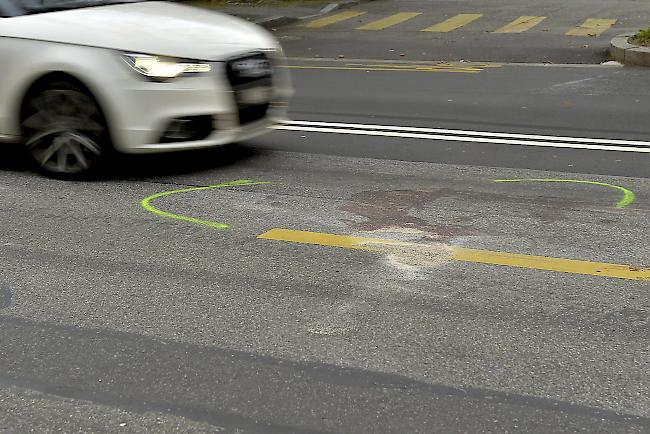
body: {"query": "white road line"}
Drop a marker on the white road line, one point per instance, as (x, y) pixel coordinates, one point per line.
(466, 136)
(468, 133)
(462, 139)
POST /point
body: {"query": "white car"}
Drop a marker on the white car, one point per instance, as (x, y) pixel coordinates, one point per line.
(80, 78)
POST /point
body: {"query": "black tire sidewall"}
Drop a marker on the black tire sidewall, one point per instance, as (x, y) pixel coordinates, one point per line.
(102, 139)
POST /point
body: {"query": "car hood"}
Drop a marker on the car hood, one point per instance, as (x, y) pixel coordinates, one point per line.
(161, 28)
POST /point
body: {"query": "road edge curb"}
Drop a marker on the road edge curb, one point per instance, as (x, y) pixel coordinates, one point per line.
(629, 54)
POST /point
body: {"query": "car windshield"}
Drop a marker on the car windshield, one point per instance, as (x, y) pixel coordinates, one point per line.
(37, 6)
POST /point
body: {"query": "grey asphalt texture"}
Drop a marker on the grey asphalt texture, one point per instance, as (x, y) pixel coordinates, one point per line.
(547, 42)
(587, 101)
(113, 319)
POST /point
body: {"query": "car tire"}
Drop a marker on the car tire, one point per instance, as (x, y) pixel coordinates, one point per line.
(64, 131)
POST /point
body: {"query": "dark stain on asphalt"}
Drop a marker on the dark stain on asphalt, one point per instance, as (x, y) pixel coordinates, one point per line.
(393, 208)
(5, 297)
(386, 209)
(549, 210)
(545, 209)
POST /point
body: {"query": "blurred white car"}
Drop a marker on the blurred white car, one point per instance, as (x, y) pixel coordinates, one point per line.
(79, 78)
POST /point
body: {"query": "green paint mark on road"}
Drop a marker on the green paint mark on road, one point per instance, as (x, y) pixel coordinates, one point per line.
(628, 195)
(146, 202)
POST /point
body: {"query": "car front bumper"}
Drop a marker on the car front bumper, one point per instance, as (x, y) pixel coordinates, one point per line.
(217, 138)
(140, 111)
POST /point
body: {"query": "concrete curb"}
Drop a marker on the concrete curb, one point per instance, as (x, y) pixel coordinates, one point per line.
(280, 20)
(628, 54)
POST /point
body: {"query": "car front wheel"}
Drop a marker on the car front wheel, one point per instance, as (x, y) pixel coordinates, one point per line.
(64, 131)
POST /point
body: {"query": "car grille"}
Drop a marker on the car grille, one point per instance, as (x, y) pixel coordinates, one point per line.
(251, 78)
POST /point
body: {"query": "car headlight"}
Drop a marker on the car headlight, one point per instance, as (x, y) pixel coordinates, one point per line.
(157, 67)
(276, 51)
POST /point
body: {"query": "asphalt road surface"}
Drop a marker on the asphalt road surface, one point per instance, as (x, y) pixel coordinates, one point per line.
(376, 274)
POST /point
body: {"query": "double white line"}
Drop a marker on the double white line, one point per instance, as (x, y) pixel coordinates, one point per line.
(466, 136)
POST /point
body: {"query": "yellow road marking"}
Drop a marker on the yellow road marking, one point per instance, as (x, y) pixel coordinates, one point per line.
(436, 65)
(354, 68)
(323, 239)
(389, 21)
(592, 27)
(552, 264)
(332, 19)
(453, 23)
(441, 66)
(561, 265)
(521, 24)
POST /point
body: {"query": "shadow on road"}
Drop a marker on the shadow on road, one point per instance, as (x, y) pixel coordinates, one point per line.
(178, 163)
(131, 167)
(13, 158)
(265, 394)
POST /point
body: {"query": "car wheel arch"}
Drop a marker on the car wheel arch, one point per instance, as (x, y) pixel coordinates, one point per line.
(47, 79)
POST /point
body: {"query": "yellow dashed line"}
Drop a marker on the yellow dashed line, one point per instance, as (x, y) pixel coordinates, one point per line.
(592, 27)
(387, 68)
(560, 265)
(453, 23)
(389, 21)
(521, 24)
(441, 65)
(332, 19)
